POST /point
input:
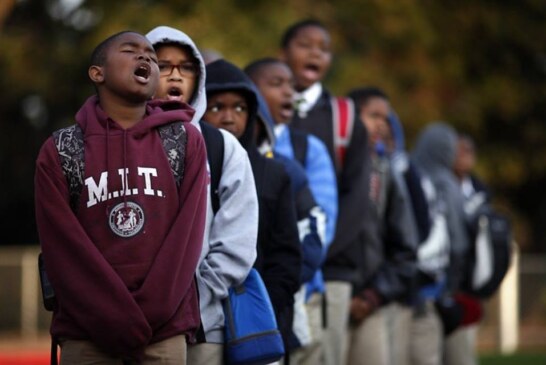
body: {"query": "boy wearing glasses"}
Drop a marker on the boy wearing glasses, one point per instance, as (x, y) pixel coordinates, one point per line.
(121, 256)
(229, 246)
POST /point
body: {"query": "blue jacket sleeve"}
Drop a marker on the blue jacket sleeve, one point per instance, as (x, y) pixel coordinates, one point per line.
(323, 184)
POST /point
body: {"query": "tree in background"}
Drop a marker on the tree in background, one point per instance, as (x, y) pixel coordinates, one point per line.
(476, 64)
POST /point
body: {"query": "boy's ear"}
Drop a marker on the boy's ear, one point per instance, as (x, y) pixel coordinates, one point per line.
(95, 74)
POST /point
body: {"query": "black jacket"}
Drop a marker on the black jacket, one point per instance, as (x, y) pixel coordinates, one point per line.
(344, 255)
(390, 253)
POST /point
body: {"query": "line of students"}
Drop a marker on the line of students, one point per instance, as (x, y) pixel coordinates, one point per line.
(347, 244)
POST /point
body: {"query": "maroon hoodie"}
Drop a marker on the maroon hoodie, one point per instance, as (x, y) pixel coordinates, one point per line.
(123, 281)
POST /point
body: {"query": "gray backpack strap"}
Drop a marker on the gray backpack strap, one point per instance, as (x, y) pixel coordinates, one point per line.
(70, 145)
(174, 139)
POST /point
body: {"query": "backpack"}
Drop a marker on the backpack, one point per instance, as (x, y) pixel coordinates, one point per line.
(70, 146)
(214, 142)
(251, 332)
(434, 252)
(343, 116)
(490, 256)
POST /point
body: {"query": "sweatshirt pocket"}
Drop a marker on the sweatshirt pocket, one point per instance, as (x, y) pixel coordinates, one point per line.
(133, 274)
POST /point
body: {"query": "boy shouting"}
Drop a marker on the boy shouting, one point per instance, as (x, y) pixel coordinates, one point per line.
(121, 216)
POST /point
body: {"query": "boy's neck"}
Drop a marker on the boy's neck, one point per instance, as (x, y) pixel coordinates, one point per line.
(301, 89)
(126, 115)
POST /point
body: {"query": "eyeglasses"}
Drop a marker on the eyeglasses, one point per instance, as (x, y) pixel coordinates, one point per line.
(186, 69)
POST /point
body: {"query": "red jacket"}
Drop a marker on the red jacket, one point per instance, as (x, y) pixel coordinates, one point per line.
(123, 281)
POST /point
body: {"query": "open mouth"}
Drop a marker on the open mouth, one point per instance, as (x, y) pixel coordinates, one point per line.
(143, 72)
(287, 110)
(312, 67)
(174, 93)
(311, 71)
(287, 105)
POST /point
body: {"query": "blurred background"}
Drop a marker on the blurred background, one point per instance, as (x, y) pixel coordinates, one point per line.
(479, 65)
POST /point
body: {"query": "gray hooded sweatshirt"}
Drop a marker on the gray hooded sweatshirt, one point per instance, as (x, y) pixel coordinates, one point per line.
(229, 246)
(434, 154)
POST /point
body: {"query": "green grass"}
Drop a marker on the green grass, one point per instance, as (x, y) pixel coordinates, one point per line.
(516, 359)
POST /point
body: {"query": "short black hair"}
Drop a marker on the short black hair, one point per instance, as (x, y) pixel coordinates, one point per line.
(185, 47)
(254, 68)
(291, 32)
(98, 56)
(465, 137)
(361, 96)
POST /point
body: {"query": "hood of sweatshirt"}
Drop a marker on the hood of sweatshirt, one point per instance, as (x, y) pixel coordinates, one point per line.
(164, 34)
(94, 121)
(266, 121)
(435, 148)
(225, 76)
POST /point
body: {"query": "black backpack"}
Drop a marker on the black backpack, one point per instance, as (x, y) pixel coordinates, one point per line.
(214, 142)
(498, 233)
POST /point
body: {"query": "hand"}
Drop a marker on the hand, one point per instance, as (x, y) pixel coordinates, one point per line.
(360, 309)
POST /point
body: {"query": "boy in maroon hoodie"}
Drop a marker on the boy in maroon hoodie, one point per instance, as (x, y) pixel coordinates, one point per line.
(121, 257)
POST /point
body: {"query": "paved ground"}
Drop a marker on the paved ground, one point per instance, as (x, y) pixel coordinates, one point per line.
(17, 351)
(36, 351)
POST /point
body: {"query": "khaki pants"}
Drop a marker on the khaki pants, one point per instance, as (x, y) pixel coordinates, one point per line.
(171, 351)
(338, 298)
(400, 318)
(426, 336)
(206, 354)
(460, 346)
(369, 341)
(312, 353)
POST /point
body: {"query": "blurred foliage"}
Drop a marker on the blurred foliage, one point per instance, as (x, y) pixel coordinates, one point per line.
(479, 65)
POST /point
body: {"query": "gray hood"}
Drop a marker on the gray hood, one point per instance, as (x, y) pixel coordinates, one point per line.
(434, 155)
(164, 34)
(436, 147)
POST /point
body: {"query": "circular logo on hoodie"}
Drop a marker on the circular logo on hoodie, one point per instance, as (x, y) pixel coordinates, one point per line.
(126, 219)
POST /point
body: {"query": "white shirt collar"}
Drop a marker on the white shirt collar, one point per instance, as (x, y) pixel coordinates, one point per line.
(278, 129)
(467, 187)
(306, 99)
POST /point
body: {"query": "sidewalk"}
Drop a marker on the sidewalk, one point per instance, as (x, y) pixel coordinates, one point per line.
(17, 351)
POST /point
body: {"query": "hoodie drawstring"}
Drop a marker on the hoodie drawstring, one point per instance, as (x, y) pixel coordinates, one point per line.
(126, 183)
(107, 166)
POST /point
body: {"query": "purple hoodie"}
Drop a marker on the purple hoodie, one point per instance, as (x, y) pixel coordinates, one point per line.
(123, 282)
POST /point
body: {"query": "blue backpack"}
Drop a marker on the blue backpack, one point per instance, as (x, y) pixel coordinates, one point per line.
(251, 332)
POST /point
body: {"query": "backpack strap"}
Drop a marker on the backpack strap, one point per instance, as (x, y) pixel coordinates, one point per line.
(70, 146)
(214, 142)
(174, 139)
(299, 143)
(343, 115)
